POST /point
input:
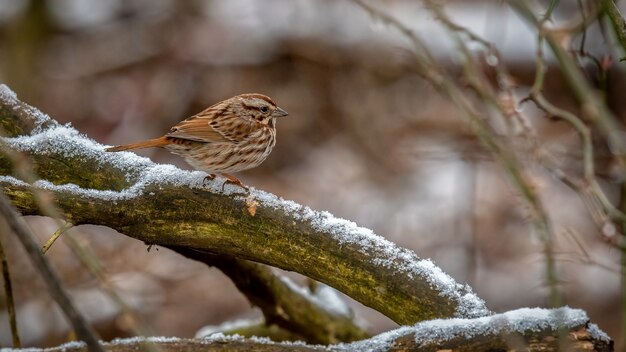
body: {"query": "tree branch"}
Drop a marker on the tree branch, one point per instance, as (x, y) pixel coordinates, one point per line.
(444, 83)
(617, 20)
(17, 225)
(280, 303)
(524, 329)
(8, 293)
(163, 205)
(592, 105)
(160, 204)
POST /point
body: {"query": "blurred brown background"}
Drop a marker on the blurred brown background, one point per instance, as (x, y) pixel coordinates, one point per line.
(366, 139)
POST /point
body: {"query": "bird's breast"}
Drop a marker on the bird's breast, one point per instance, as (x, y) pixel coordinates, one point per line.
(228, 156)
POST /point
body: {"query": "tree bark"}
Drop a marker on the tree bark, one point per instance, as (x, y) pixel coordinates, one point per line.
(576, 338)
(173, 208)
(182, 212)
(280, 304)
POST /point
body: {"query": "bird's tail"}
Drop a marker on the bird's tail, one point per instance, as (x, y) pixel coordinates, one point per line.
(156, 142)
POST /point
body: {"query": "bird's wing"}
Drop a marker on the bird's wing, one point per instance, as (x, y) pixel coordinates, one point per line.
(212, 125)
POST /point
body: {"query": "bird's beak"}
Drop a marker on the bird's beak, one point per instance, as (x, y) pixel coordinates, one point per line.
(278, 112)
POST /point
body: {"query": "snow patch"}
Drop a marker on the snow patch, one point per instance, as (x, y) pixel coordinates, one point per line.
(227, 326)
(598, 334)
(441, 330)
(382, 252)
(522, 320)
(220, 337)
(67, 142)
(9, 97)
(325, 297)
(142, 172)
(332, 301)
(143, 339)
(132, 341)
(235, 337)
(378, 343)
(64, 347)
(72, 344)
(7, 94)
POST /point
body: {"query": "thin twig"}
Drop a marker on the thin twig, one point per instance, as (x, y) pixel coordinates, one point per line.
(89, 260)
(590, 184)
(583, 39)
(84, 331)
(478, 81)
(585, 134)
(61, 230)
(446, 86)
(8, 292)
(593, 106)
(586, 257)
(617, 20)
(623, 262)
(24, 168)
(421, 52)
(551, 6)
(506, 157)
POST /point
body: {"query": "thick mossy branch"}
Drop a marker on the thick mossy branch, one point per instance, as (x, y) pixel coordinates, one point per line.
(522, 330)
(171, 207)
(280, 303)
(526, 329)
(579, 339)
(18, 118)
(180, 216)
(227, 344)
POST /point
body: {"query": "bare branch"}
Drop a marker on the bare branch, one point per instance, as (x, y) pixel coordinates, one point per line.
(61, 230)
(8, 292)
(617, 20)
(17, 225)
(170, 207)
(593, 106)
(504, 155)
(280, 303)
(524, 329)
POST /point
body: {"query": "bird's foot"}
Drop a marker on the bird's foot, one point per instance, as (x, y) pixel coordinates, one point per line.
(230, 179)
(235, 183)
(207, 178)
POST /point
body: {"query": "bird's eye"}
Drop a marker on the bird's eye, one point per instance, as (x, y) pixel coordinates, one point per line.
(264, 109)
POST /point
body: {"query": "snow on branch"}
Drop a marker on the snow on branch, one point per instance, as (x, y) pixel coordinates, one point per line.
(163, 205)
(535, 325)
(524, 329)
(319, 316)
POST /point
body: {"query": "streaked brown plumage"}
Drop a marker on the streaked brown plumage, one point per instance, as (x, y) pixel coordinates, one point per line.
(233, 135)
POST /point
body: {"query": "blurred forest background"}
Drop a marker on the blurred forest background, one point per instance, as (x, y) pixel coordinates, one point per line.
(366, 139)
